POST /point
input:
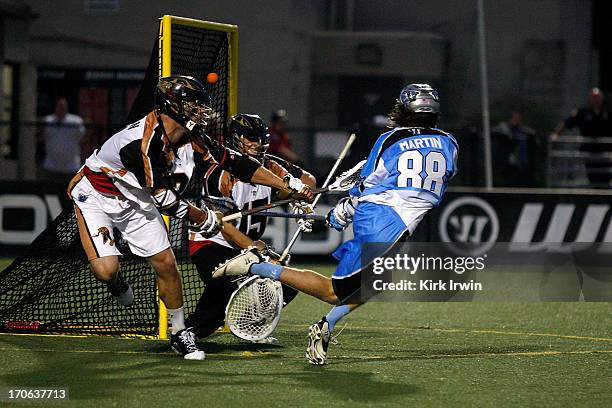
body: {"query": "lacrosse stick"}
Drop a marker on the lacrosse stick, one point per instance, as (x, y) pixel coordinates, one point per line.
(254, 309)
(343, 183)
(349, 176)
(240, 214)
(315, 217)
(222, 204)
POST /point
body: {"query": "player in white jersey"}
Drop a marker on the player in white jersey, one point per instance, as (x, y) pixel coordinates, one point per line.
(138, 173)
(405, 176)
(247, 134)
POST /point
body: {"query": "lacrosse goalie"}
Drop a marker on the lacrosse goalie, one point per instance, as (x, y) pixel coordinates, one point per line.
(248, 135)
(405, 176)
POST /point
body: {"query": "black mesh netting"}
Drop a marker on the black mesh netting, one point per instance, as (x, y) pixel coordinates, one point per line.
(51, 288)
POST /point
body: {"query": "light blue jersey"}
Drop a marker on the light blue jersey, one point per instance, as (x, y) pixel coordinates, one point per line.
(409, 163)
(405, 176)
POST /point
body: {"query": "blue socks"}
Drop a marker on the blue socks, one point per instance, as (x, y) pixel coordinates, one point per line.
(337, 313)
(267, 270)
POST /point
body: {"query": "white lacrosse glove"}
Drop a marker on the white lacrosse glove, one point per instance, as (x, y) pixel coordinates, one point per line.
(299, 208)
(342, 214)
(294, 188)
(210, 226)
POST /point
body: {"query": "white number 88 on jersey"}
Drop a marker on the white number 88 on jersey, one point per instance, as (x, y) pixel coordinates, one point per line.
(411, 165)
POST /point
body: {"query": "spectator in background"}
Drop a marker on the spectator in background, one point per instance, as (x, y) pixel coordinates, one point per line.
(592, 121)
(279, 138)
(514, 146)
(62, 137)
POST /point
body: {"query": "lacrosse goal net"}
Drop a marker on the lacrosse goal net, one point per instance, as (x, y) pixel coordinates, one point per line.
(50, 289)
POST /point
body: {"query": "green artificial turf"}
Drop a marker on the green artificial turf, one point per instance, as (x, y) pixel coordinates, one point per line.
(393, 354)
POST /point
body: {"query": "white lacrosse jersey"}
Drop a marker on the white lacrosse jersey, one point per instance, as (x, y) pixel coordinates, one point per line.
(220, 183)
(137, 157)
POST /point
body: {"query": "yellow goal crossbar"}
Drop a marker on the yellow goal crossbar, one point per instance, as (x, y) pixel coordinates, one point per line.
(165, 51)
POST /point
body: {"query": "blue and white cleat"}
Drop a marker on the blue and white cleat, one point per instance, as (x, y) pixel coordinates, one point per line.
(318, 342)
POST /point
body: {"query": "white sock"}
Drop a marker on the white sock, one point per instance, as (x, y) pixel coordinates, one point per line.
(177, 319)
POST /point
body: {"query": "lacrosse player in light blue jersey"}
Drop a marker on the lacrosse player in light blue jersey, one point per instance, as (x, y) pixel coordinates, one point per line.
(405, 176)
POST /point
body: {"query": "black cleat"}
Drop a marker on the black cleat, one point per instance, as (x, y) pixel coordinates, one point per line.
(184, 343)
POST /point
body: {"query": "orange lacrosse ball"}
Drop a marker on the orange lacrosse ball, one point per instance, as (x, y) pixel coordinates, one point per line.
(212, 77)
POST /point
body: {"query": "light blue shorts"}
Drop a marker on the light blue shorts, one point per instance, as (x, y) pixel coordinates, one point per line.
(371, 223)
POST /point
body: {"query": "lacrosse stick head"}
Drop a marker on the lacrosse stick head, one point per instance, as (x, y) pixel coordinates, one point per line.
(348, 179)
(222, 204)
(254, 309)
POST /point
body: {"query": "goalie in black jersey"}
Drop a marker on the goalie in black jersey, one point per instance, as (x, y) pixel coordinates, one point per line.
(248, 135)
(142, 171)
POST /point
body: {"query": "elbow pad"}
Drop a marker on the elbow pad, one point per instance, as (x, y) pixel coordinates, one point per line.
(169, 203)
(241, 166)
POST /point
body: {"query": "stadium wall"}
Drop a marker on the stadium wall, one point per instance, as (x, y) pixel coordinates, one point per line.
(278, 50)
(541, 217)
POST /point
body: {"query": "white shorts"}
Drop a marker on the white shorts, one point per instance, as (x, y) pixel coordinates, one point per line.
(97, 214)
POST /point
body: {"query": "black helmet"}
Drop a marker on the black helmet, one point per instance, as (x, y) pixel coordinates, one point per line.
(418, 105)
(183, 99)
(252, 129)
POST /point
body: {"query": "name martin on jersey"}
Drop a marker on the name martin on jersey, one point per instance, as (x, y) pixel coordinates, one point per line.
(421, 143)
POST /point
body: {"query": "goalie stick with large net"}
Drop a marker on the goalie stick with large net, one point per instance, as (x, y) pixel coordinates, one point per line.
(254, 309)
(50, 289)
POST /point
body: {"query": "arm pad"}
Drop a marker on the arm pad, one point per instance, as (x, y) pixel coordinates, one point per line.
(345, 209)
(295, 170)
(241, 166)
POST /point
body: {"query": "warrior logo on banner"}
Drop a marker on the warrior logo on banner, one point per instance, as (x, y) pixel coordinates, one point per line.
(471, 223)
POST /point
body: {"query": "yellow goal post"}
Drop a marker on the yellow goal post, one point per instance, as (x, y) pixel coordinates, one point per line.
(170, 65)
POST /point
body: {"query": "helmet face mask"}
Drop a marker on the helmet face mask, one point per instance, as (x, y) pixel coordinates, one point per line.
(197, 112)
(249, 135)
(253, 148)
